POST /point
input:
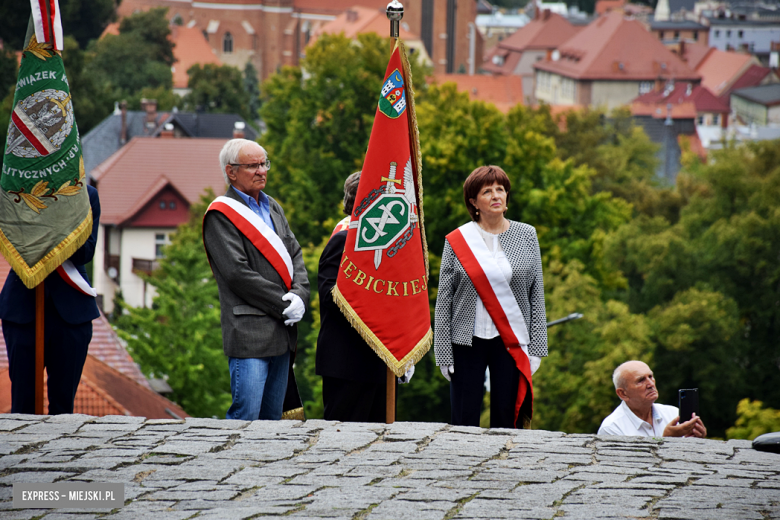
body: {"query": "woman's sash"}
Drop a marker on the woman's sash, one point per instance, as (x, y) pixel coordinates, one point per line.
(496, 294)
(259, 233)
(72, 277)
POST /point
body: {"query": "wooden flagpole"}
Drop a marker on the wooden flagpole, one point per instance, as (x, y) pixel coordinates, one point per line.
(395, 12)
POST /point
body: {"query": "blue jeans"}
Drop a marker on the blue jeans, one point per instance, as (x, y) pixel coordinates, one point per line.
(258, 386)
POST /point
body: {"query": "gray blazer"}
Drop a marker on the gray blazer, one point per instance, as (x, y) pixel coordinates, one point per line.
(456, 301)
(250, 289)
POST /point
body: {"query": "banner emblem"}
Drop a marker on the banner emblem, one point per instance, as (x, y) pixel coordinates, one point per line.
(40, 123)
(392, 103)
(389, 216)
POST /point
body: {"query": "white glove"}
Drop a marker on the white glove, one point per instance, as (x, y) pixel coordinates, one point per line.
(294, 311)
(535, 362)
(446, 370)
(407, 376)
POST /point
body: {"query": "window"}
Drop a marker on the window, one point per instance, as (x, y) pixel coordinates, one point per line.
(695, 36)
(700, 120)
(660, 35)
(172, 204)
(717, 34)
(162, 204)
(728, 33)
(645, 87)
(676, 35)
(159, 244)
(739, 34)
(227, 43)
(568, 88)
(716, 120)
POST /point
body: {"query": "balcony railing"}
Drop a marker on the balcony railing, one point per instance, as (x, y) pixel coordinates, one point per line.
(145, 266)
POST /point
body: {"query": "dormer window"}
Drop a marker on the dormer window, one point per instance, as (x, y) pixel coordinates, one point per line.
(227, 43)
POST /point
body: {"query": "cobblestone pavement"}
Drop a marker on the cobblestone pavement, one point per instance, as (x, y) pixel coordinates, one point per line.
(218, 469)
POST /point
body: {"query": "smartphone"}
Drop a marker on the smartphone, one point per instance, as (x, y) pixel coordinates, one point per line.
(688, 403)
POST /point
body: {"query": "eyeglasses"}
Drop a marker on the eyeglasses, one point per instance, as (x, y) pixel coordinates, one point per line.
(256, 166)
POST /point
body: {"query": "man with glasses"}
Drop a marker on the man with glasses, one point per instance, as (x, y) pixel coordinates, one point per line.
(262, 281)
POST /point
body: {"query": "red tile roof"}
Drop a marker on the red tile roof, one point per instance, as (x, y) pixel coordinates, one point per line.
(754, 76)
(694, 53)
(190, 48)
(502, 91)
(144, 166)
(545, 33)
(104, 391)
(720, 69)
(359, 20)
(615, 48)
(702, 99)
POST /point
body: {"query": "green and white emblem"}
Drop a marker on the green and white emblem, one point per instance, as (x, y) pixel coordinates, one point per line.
(389, 217)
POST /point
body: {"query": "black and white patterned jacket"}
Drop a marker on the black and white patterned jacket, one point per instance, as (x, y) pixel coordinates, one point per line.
(456, 302)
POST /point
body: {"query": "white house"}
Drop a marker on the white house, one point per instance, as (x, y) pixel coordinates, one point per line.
(146, 189)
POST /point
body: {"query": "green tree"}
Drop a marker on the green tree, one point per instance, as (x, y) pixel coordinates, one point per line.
(252, 88)
(696, 337)
(725, 247)
(180, 337)
(8, 70)
(573, 387)
(218, 89)
(85, 20)
(92, 99)
(152, 27)
(753, 419)
(139, 57)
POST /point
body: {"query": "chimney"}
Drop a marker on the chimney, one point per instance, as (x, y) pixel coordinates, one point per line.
(123, 131)
(150, 107)
(238, 130)
(167, 131)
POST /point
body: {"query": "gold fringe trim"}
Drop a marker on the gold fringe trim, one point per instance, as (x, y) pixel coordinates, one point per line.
(32, 276)
(414, 132)
(397, 367)
(296, 414)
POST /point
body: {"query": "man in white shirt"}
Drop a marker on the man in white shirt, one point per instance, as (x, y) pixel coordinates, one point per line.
(638, 415)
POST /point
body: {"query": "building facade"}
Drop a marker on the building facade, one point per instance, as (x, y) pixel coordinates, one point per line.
(274, 33)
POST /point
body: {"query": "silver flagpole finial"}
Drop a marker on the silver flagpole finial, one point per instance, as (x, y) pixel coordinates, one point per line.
(395, 11)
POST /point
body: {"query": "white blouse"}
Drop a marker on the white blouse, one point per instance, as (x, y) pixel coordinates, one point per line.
(483, 325)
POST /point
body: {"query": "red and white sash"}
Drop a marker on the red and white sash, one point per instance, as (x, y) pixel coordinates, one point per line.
(496, 294)
(259, 233)
(73, 277)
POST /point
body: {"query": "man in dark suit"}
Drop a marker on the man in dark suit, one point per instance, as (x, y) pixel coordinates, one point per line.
(354, 386)
(262, 281)
(68, 315)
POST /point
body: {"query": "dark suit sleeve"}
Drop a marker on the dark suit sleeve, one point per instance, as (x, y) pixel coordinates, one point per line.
(85, 253)
(224, 244)
(300, 279)
(329, 266)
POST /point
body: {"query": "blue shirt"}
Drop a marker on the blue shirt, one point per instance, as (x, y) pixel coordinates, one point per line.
(261, 209)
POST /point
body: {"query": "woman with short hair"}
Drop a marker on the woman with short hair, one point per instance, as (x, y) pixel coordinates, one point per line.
(490, 307)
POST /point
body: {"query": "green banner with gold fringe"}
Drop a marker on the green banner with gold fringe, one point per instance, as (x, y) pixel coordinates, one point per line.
(44, 206)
